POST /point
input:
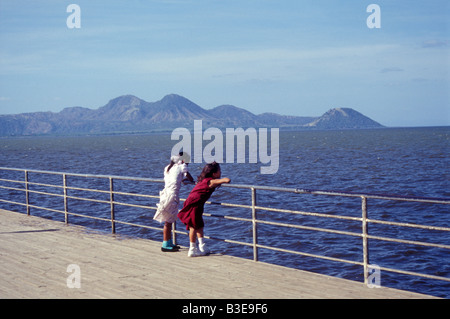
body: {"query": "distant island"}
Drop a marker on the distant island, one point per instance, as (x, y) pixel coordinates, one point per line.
(130, 114)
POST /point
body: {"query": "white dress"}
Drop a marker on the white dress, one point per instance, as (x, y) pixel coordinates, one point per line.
(169, 197)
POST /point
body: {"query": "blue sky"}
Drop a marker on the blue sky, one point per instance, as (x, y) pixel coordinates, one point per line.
(286, 56)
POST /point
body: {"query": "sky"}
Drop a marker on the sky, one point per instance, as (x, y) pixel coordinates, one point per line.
(285, 56)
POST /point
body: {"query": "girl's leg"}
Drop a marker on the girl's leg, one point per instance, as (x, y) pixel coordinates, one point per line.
(195, 251)
(199, 233)
(167, 238)
(192, 235)
(167, 231)
(201, 242)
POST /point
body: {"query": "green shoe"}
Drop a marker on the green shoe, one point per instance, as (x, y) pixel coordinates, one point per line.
(167, 246)
(170, 243)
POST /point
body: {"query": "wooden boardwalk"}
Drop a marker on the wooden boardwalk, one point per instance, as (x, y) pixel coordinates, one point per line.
(35, 254)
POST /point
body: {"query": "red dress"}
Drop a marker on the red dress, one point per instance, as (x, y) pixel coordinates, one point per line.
(192, 212)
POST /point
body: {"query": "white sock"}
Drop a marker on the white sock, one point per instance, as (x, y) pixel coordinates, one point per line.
(200, 240)
(193, 245)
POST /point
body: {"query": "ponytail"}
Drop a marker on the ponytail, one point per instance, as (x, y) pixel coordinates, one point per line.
(172, 163)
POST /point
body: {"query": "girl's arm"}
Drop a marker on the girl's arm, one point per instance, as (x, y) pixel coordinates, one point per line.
(217, 182)
(189, 177)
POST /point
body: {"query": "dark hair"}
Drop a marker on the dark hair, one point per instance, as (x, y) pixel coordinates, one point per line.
(172, 163)
(208, 171)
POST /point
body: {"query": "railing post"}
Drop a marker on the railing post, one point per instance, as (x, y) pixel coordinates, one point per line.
(174, 233)
(111, 199)
(27, 197)
(365, 239)
(254, 223)
(66, 210)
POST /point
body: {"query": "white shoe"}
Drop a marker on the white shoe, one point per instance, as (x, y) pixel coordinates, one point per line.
(195, 252)
(203, 248)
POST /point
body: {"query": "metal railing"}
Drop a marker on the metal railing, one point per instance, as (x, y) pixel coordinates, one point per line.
(254, 220)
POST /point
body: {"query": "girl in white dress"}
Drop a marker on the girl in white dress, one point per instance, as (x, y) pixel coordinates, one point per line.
(174, 174)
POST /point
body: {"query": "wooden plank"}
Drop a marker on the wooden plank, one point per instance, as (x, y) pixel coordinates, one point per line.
(35, 253)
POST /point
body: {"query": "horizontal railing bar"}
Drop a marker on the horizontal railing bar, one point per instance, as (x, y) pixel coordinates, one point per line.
(44, 193)
(12, 202)
(354, 262)
(327, 230)
(311, 255)
(30, 170)
(134, 205)
(80, 198)
(109, 202)
(109, 192)
(63, 212)
(13, 188)
(136, 195)
(334, 231)
(345, 194)
(257, 187)
(11, 181)
(89, 199)
(45, 185)
(92, 217)
(408, 225)
(31, 191)
(94, 190)
(143, 179)
(229, 241)
(180, 232)
(46, 208)
(429, 200)
(287, 251)
(411, 242)
(376, 196)
(87, 216)
(137, 225)
(281, 210)
(229, 204)
(228, 217)
(414, 273)
(57, 210)
(78, 189)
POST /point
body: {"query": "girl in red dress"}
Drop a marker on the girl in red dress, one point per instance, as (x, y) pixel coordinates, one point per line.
(192, 212)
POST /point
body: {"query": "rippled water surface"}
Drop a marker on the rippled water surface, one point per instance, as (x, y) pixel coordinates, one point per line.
(403, 161)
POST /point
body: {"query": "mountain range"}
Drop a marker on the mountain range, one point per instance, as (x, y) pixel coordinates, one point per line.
(128, 113)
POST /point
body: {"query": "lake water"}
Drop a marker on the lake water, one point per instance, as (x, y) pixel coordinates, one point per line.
(395, 161)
